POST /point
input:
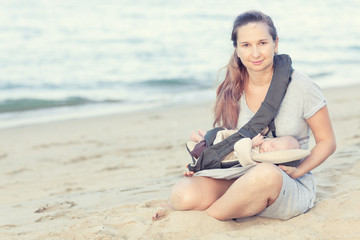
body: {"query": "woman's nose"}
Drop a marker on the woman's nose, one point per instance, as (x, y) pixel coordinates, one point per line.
(255, 52)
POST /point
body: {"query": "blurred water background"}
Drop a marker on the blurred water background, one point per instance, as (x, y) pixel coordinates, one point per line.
(62, 59)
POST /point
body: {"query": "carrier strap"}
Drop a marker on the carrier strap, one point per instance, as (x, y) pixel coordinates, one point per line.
(211, 157)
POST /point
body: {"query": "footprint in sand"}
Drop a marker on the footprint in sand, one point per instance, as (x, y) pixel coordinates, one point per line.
(51, 208)
(56, 206)
(17, 171)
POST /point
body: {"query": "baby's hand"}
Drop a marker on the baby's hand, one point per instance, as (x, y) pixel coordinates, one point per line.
(257, 140)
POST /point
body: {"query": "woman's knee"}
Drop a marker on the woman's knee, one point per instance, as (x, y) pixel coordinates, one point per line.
(197, 193)
(270, 178)
(268, 174)
(186, 195)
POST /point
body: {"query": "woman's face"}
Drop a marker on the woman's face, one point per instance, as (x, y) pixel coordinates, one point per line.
(255, 46)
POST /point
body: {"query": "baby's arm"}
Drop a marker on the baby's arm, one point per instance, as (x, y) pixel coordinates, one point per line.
(257, 140)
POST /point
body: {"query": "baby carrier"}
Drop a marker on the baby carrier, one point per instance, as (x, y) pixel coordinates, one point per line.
(213, 156)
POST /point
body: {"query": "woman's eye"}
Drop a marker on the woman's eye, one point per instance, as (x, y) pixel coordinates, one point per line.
(245, 45)
(262, 43)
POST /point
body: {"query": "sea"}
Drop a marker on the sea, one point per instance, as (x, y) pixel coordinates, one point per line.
(66, 59)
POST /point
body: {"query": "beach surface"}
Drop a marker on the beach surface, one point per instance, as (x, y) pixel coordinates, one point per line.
(104, 177)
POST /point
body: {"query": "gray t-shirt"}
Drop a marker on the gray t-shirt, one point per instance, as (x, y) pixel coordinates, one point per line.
(302, 100)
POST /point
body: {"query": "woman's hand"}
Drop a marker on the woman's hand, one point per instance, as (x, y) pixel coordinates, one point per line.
(291, 171)
(189, 173)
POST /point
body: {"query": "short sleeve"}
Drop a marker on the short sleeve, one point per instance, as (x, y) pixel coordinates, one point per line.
(314, 99)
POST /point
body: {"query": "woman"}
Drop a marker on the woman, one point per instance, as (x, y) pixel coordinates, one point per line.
(266, 190)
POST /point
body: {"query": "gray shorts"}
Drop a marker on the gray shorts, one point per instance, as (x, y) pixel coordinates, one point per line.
(297, 196)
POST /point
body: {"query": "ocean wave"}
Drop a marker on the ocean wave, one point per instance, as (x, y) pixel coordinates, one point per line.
(320, 74)
(24, 104)
(175, 83)
(156, 83)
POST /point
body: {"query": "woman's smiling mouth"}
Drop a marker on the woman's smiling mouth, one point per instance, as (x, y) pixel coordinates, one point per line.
(257, 62)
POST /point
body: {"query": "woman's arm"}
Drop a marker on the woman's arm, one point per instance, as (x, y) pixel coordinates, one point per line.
(321, 127)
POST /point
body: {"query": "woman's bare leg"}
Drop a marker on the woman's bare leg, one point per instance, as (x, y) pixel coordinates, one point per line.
(197, 193)
(193, 193)
(250, 194)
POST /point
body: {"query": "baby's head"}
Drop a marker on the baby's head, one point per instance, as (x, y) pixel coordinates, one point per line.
(279, 143)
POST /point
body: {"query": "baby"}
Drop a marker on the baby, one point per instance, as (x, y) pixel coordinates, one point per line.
(274, 144)
(258, 142)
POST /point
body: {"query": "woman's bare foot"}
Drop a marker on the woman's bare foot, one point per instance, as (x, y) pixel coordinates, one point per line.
(201, 133)
(162, 212)
(195, 137)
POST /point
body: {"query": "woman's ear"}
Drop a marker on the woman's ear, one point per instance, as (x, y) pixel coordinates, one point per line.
(276, 45)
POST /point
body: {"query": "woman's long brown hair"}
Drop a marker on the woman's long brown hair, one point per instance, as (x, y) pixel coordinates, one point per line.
(228, 94)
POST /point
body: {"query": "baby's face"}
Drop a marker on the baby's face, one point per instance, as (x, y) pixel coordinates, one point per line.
(270, 145)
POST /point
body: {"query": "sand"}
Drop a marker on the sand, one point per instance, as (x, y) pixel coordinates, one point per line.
(103, 178)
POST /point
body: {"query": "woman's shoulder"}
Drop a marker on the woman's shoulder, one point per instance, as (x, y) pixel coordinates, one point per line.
(300, 78)
(306, 93)
(301, 82)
